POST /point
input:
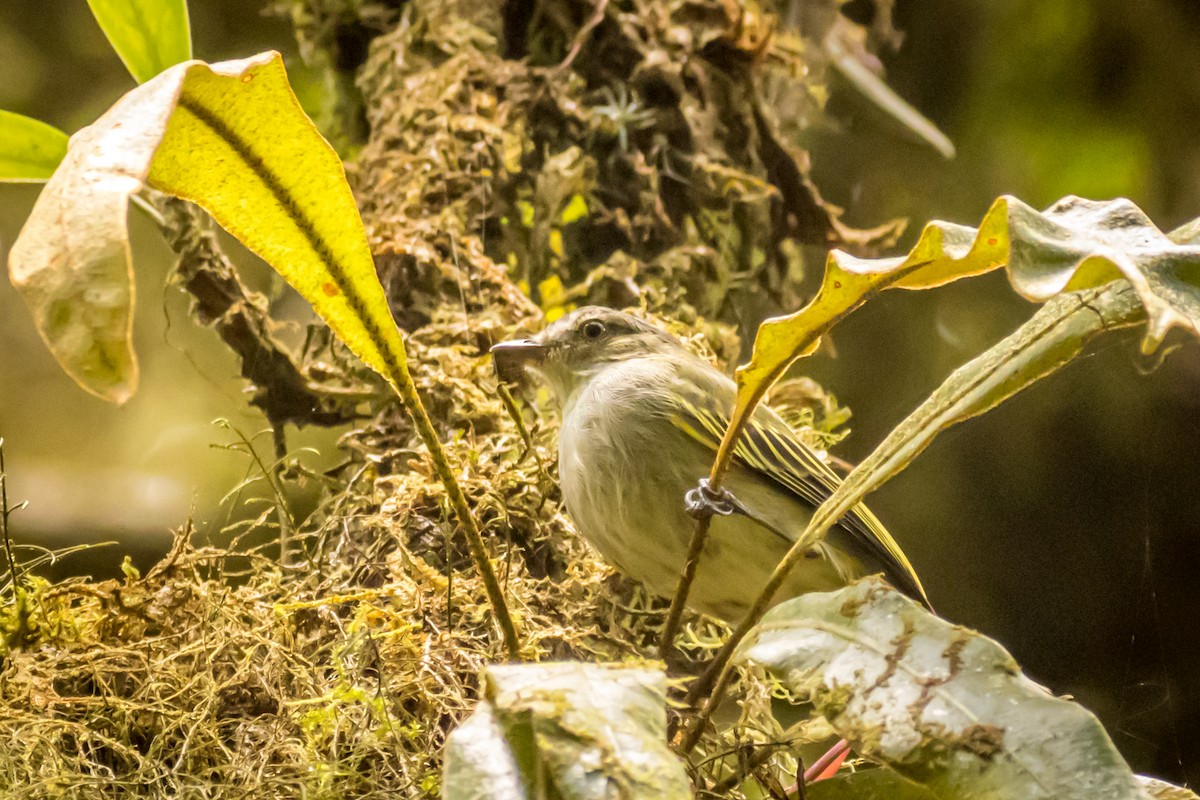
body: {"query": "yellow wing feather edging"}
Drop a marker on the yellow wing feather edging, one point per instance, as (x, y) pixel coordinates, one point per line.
(775, 452)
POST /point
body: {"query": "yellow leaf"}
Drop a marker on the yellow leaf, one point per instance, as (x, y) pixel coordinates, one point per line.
(552, 292)
(576, 210)
(1075, 244)
(848, 283)
(232, 138)
(240, 147)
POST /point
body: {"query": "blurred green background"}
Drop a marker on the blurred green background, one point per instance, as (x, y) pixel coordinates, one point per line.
(92, 472)
(1066, 524)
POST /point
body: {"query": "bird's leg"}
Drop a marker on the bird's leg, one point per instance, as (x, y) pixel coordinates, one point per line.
(705, 501)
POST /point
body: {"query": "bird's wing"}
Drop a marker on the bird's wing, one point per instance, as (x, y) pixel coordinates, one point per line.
(771, 449)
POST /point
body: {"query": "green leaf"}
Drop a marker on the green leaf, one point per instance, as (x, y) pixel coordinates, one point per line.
(944, 706)
(1075, 244)
(478, 762)
(148, 35)
(30, 150)
(573, 731)
(868, 784)
(232, 138)
(1051, 339)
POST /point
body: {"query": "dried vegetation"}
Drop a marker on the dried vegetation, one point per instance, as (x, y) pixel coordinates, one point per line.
(522, 157)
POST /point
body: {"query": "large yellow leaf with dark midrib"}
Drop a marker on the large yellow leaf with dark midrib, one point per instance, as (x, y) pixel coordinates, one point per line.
(240, 146)
(232, 138)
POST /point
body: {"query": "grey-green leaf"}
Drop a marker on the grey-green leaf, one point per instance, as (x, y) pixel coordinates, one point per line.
(944, 706)
(882, 97)
(30, 150)
(479, 762)
(148, 35)
(868, 784)
(1161, 790)
(575, 731)
(1187, 233)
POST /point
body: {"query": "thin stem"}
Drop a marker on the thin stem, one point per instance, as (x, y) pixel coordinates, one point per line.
(402, 380)
(147, 207)
(514, 413)
(759, 757)
(822, 763)
(270, 475)
(21, 632)
(4, 509)
(743, 410)
(581, 37)
(720, 672)
(285, 395)
(666, 643)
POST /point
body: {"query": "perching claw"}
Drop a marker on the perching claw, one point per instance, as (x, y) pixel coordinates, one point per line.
(704, 501)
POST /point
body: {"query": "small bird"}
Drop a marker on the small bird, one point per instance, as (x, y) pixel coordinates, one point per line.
(641, 421)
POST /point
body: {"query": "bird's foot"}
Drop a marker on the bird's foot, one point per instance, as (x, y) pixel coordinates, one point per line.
(705, 501)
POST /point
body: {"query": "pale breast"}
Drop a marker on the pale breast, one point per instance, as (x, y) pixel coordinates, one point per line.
(624, 487)
(617, 479)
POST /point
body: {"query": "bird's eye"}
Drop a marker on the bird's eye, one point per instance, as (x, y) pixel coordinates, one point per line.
(593, 329)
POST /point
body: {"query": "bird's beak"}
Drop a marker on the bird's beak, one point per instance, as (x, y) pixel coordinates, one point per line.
(513, 356)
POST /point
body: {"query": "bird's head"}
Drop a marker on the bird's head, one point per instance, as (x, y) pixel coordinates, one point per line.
(569, 351)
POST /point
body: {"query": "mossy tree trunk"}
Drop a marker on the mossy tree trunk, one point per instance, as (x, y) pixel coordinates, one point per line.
(510, 159)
